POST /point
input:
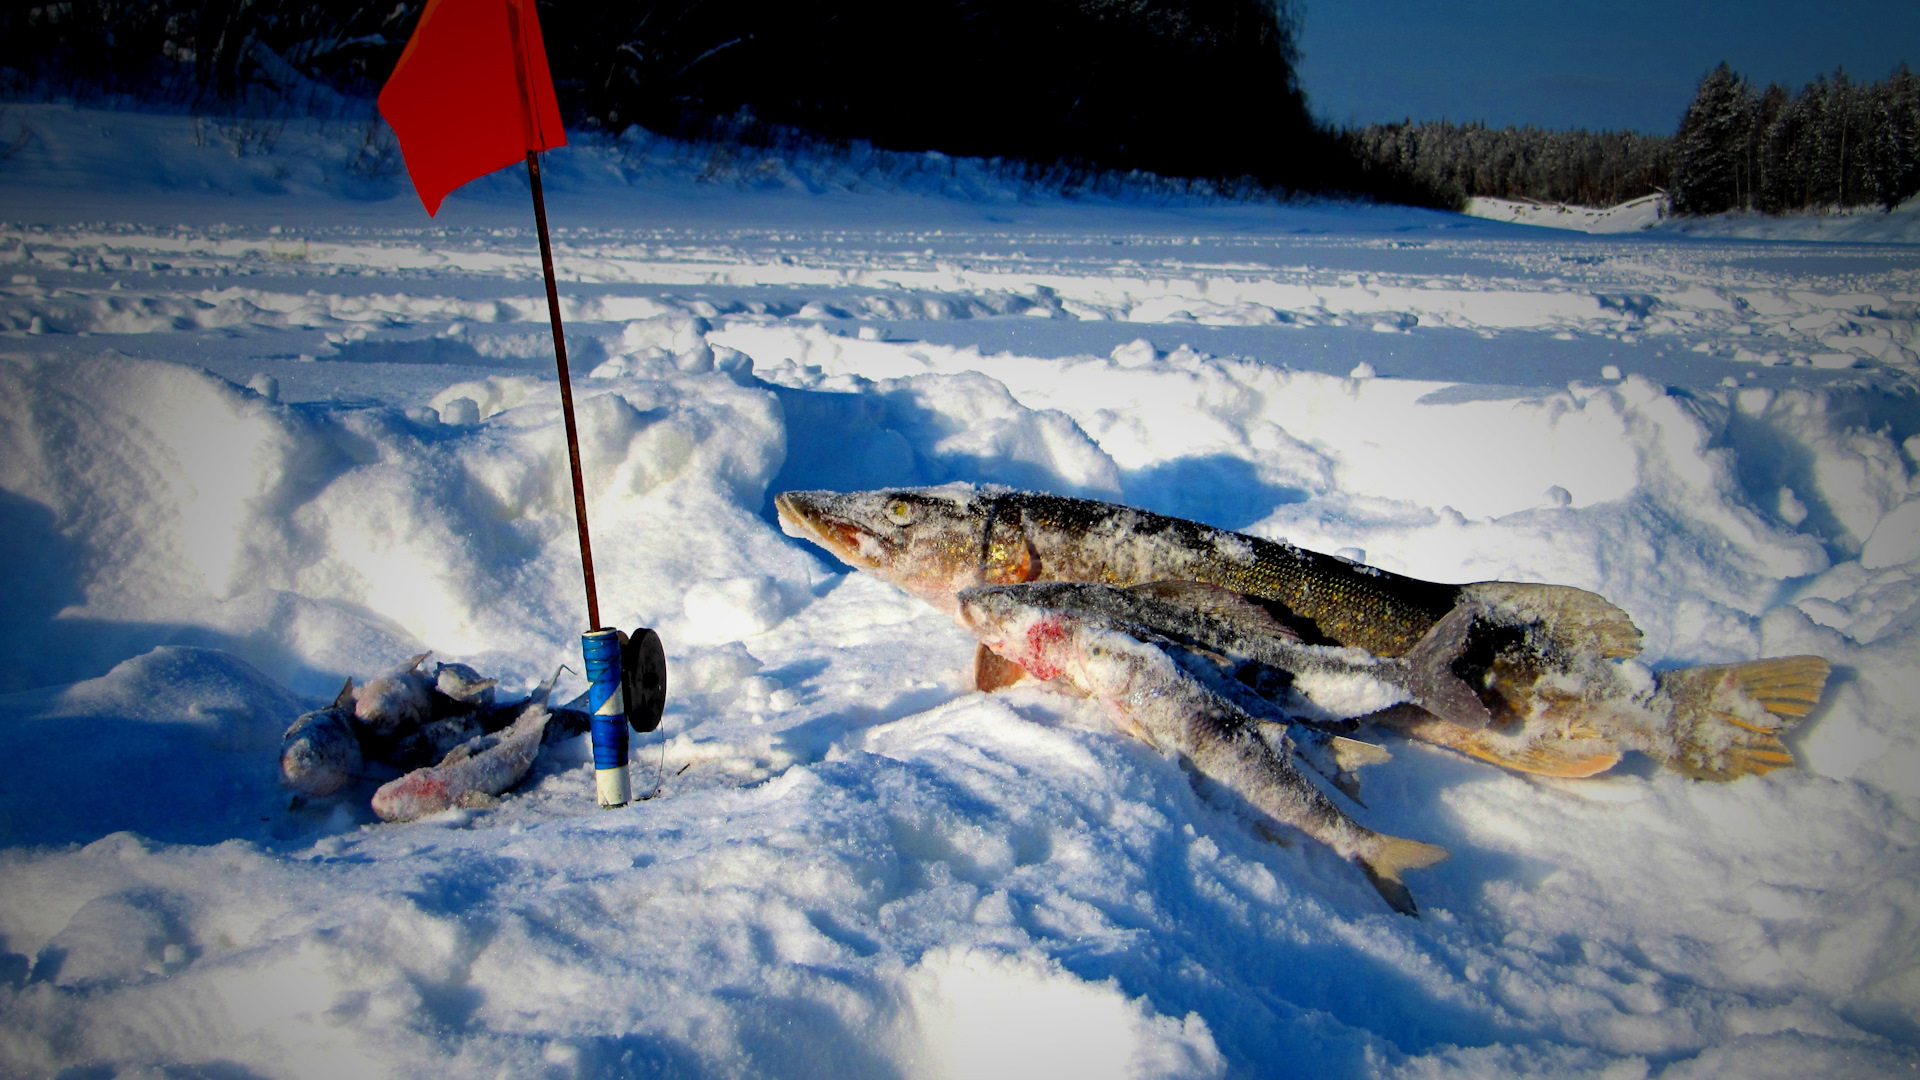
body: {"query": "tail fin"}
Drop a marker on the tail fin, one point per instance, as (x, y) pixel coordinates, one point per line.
(1573, 620)
(1395, 856)
(1727, 717)
(1430, 670)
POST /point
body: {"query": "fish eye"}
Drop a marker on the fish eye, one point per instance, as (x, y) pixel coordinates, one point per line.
(900, 512)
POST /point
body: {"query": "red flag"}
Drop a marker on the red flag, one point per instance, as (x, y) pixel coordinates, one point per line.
(471, 94)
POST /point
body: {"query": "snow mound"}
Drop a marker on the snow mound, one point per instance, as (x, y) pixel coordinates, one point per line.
(1632, 216)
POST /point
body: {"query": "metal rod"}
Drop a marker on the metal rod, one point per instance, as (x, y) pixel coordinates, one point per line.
(566, 391)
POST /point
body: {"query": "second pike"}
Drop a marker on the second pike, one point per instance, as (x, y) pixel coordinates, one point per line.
(1149, 694)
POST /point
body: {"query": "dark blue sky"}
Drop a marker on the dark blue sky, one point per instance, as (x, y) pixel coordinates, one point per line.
(1576, 63)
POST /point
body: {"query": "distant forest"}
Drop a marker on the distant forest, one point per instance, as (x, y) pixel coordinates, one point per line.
(1060, 90)
(1461, 161)
(1837, 143)
(1200, 89)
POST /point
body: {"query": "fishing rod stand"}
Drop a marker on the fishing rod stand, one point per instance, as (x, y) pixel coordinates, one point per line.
(626, 688)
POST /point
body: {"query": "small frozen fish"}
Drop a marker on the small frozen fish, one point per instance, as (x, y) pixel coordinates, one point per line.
(458, 719)
(472, 774)
(395, 703)
(1150, 695)
(320, 752)
(1237, 649)
(462, 687)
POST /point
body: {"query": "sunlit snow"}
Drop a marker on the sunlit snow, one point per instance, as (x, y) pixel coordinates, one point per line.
(264, 426)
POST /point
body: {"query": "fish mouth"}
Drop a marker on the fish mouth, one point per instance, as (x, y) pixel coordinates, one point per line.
(967, 610)
(804, 515)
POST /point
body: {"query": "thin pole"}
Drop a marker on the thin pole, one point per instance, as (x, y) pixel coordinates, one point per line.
(566, 391)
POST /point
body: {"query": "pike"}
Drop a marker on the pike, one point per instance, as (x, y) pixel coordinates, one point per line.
(1149, 694)
(1237, 649)
(1533, 653)
(1318, 684)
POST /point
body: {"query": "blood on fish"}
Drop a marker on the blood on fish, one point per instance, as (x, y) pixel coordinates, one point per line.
(1042, 636)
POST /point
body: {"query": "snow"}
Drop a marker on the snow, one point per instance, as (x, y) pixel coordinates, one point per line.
(1645, 212)
(1899, 225)
(264, 426)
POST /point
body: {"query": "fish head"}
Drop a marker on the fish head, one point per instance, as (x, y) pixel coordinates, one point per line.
(1008, 620)
(930, 541)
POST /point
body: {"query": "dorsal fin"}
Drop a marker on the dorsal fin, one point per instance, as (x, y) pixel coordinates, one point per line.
(1574, 621)
(1224, 604)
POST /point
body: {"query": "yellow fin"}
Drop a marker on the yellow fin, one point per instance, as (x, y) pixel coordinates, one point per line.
(1579, 753)
(1395, 856)
(1351, 754)
(1570, 758)
(1727, 717)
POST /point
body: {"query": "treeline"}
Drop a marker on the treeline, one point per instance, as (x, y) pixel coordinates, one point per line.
(1461, 161)
(1836, 144)
(1200, 89)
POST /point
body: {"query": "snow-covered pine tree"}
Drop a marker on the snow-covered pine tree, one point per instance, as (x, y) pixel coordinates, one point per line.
(1709, 167)
(1894, 169)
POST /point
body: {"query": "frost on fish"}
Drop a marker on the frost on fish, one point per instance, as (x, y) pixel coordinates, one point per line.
(473, 773)
(404, 719)
(320, 752)
(395, 702)
(1550, 667)
(1313, 683)
(462, 684)
(1149, 694)
(1716, 722)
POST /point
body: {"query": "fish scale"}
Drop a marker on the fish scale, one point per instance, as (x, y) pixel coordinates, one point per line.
(1328, 599)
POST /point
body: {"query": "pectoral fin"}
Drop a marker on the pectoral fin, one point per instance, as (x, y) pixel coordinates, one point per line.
(992, 672)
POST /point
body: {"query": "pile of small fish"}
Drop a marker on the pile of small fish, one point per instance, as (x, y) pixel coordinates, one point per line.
(454, 745)
(1242, 654)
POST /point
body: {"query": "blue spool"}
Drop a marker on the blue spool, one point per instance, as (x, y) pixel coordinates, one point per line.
(606, 704)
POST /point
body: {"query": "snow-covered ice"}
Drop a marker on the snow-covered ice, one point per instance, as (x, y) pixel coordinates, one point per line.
(263, 425)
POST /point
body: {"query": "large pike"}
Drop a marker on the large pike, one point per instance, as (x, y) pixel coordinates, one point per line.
(1149, 694)
(1535, 651)
(935, 541)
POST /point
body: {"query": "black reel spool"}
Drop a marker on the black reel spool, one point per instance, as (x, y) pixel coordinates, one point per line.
(643, 675)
